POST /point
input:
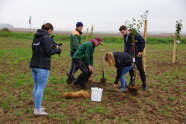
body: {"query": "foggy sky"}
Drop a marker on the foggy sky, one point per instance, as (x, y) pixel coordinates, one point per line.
(105, 15)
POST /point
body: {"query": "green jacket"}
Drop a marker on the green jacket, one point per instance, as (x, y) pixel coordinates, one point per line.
(75, 39)
(85, 53)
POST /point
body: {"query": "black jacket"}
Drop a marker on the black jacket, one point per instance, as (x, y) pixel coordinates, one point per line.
(140, 44)
(42, 49)
(122, 59)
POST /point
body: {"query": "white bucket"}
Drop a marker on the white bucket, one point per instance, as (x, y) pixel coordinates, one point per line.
(96, 94)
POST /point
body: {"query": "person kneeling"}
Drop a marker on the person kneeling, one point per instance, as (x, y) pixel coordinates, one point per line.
(83, 60)
(123, 62)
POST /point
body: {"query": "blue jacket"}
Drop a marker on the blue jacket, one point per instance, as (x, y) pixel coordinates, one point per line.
(140, 44)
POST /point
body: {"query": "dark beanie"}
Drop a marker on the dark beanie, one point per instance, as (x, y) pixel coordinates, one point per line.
(78, 24)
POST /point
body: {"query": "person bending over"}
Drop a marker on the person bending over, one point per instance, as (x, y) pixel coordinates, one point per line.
(122, 61)
(83, 59)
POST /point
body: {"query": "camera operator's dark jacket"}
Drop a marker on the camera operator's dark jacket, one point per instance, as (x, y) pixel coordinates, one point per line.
(122, 59)
(42, 49)
(140, 44)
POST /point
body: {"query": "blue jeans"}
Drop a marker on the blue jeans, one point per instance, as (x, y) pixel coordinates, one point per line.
(72, 66)
(122, 78)
(40, 77)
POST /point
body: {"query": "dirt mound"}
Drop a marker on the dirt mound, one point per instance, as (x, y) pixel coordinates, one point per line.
(91, 83)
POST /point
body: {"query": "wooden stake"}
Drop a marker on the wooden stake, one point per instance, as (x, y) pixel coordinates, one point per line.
(103, 79)
(174, 51)
(92, 30)
(103, 73)
(144, 51)
(86, 35)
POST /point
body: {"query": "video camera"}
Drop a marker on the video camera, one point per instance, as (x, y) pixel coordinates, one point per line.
(54, 43)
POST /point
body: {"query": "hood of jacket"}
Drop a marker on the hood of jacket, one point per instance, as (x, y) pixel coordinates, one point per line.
(40, 33)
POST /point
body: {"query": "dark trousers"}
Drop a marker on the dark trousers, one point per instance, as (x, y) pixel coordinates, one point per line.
(140, 68)
(72, 66)
(85, 73)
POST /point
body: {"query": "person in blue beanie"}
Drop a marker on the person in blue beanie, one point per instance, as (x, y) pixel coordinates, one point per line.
(75, 42)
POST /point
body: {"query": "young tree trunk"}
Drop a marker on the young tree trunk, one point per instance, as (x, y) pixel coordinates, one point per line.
(144, 51)
(86, 35)
(174, 51)
(92, 30)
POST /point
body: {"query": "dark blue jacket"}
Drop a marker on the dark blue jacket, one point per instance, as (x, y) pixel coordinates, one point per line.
(122, 59)
(140, 44)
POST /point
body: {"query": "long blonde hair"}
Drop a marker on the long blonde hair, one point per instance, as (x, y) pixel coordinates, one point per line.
(109, 58)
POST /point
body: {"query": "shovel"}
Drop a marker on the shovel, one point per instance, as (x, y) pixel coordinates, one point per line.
(103, 79)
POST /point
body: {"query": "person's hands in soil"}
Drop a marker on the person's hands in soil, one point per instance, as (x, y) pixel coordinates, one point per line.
(139, 54)
(90, 68)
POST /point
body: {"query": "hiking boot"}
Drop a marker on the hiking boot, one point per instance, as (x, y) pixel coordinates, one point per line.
(83, 86)
(144, 86)
(74, 86)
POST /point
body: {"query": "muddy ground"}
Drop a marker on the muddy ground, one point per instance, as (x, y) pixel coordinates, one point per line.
(163, 102)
